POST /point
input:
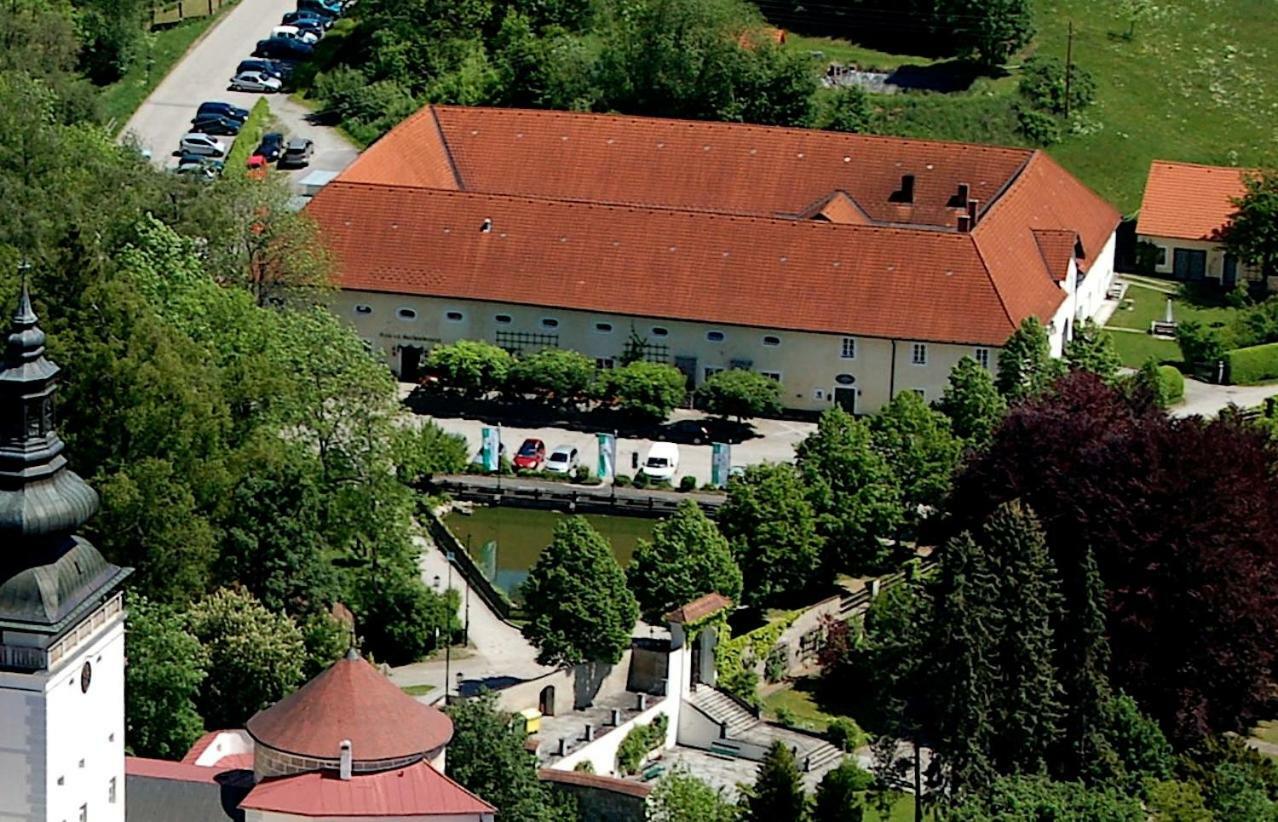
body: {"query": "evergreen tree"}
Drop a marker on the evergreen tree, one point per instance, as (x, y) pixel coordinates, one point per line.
(1083, 654)
(686, 558)
(778, 792)
(1028, 702)
(579, 608)
(772, 530)
(840, 795)
(853, 490)
(916, 442)
(972, 402)
(1025, 365)
(1092, 349)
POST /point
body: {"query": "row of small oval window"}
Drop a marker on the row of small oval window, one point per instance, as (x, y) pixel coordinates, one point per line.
(408, 315)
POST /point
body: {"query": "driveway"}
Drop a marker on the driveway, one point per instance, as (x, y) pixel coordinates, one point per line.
(775, 442)
(202, 74)
(1207, 400)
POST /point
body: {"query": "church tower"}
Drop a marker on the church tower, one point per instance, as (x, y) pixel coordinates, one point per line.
(61, 613)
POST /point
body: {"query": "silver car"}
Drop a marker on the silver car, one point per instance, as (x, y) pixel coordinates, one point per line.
(203, 145)
(563, 460)
(255, 81)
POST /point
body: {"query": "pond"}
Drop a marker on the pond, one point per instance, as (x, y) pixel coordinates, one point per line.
(506, 541)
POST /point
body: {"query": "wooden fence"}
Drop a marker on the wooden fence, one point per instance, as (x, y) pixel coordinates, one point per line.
(172, 13)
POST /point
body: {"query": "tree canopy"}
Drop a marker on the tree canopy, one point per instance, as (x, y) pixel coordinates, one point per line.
(1252, 233)
(740, 393)
(687, 557)
(579, 608)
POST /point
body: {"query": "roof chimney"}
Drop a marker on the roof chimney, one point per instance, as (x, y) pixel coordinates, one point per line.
(486, 226)
(964, 224)
(907, 188)
(345, 761)
(972, 207)
(964, 194)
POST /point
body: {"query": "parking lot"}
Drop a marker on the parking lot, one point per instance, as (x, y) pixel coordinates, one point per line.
(776, 443)
(203, 74)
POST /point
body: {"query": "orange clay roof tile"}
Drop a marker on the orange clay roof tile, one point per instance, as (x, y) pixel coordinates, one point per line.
(1185, 201)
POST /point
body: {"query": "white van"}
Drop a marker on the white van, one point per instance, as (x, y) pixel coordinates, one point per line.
(662, 461)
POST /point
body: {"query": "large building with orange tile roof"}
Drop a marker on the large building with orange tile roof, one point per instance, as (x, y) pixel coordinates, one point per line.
(848, 267)
(1183, 215)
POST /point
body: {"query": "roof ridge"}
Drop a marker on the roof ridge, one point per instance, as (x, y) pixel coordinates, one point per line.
(1210, 166)
(448, 150)
(989, 275)
(548, 113)
(912, 230)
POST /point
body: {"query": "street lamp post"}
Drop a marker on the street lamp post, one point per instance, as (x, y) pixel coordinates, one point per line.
(448, 645)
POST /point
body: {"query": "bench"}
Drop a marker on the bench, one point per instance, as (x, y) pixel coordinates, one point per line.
(724, 751)
(1161, 328)
(651, 772)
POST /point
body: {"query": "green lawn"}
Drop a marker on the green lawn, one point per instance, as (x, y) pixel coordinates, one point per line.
(1141, 306)
(1194, 84)
(801, 706)
(121, 98)
(902, 811)
(842, 51)
(417, 690)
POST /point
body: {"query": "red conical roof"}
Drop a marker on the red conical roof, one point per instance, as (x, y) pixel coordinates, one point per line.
(351, 701)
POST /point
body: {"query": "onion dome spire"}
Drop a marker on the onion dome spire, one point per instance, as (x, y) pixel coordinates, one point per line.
(39, 495)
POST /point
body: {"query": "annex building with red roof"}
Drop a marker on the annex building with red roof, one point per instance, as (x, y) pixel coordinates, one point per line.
(348, 745)
(1184, 212)
(848, 267)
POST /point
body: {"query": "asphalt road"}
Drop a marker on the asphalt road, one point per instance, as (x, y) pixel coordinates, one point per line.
(203, 74)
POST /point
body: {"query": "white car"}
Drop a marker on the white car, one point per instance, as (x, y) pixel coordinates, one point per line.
(255, 81)
(202, 144)
(662, 461)
(563, 460)
(294, 33)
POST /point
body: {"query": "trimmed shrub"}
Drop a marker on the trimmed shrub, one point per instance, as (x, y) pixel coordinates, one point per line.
(844, 734)
(1247, 366)
(775, 664)
(621, 480)
(688, 483)
(1172, 382)
(236, 163)
(639, 742)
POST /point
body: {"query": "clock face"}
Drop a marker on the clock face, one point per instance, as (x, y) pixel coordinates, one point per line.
(86, 676)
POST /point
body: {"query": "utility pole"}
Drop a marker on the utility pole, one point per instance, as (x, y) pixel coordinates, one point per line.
(448, 641)
(1069, 64)
(466, 628)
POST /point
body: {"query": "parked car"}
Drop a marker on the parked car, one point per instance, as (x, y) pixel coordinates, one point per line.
(563, 460)
(204, 145)
(212, 107)
(309, 26)
(271, 147)
(281, 49)
(662, 461)
(256, 81)
(197, 166)
(216, 124)
(330, 7)
(297, 154)
(531, 455)
(295, 33)
(273, 68)
(296, 18)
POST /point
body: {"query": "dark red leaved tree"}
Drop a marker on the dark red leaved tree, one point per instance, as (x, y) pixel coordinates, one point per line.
(1182, 517)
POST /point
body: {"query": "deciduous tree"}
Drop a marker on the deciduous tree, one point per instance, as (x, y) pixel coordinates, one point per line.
(579, 608)
(972, 403)
(553, 375)
(740, 393)
(162, 681)
(1025, 365)
(681, 797)
(687, 557)
(772, 530)
(917, 444)
(840, 796)
(1092, 349)
(1252, 233)
(647, 391)
(471, 367)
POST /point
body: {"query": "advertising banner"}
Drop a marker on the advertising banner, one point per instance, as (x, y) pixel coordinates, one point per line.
(607, 466)
(720, 464)
(492, 449)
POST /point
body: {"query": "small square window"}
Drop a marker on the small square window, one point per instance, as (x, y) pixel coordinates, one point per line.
(848, 350)
(658, 331)
(983, 358)
(603, 328)
(502, 319)
(1161, 257)
(771, 341)
(918, 354)
(549, 322)
(603, 363)
(454, 316)
(715, 336)
(772, 375)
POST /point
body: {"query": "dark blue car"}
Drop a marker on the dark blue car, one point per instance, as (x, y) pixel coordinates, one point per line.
(282, 48)
(214, 108)
(308, 18)
(272, 68)
(330, 7)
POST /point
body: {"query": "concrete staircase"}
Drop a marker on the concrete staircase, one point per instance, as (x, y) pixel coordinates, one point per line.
(725, 710)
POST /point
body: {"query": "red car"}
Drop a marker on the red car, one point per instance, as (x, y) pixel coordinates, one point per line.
(531, 455)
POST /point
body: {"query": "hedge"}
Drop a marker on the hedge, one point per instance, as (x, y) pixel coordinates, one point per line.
(1173, 383)
(250, 135)
(1248, 366)
(642, 740)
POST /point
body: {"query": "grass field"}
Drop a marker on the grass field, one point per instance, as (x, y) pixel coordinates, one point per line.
(1141, 306)
(801, 707)
(417, 690)
(1195, 83)
(121, 98)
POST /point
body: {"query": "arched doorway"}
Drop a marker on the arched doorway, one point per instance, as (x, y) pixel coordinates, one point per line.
(546, 701)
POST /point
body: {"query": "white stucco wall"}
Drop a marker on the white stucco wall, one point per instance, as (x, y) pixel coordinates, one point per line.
(226, 743)
(602, 752)
(61, 747)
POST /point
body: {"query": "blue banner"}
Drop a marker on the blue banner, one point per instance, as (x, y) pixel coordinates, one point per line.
(720, 464)
(607, 465)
